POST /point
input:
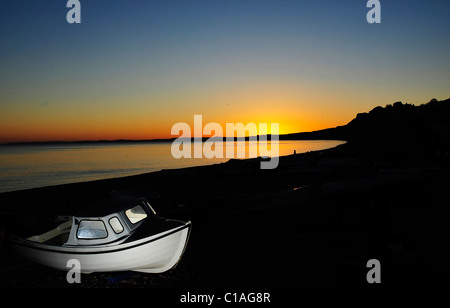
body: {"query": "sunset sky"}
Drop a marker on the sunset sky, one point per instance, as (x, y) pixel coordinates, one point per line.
(132, 69)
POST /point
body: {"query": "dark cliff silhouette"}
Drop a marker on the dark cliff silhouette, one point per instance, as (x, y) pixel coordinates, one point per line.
(427, 124)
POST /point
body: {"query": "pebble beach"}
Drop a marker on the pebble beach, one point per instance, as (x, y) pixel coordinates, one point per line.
(315, 221)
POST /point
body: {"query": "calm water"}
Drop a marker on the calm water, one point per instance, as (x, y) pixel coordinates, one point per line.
(23, 167)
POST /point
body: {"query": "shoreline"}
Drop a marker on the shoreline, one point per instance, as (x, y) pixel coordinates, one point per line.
(202, 162)
(364, 201)
(181, 169)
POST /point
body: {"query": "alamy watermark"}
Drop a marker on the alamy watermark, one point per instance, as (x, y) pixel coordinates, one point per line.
(213, 147)
(374, 14)
(374, 274)
(73, 275)
(373, 277)
(74, 14)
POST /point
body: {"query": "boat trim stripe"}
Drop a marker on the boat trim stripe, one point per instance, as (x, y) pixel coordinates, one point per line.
(27, 244)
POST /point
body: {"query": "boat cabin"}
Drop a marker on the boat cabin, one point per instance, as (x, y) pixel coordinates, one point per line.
(110, 221)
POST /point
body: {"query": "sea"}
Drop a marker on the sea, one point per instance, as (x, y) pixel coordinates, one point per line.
(25, 166)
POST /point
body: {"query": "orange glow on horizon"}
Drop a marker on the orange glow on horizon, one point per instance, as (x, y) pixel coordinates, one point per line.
(141, 119)
(118, 130)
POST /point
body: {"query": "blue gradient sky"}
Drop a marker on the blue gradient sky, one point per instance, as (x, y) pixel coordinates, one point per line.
(132, 69)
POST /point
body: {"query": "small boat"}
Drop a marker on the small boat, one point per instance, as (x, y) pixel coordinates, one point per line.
(120, 233)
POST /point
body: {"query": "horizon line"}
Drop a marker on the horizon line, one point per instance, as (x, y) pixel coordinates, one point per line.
(203, 139)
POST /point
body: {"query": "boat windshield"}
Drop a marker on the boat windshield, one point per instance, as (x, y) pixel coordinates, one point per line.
(136, 214)
(91, 229)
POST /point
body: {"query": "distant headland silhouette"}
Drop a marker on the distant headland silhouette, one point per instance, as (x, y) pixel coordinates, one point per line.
(427, 124)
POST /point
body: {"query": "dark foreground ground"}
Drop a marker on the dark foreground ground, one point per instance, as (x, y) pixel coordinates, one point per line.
(253, 230)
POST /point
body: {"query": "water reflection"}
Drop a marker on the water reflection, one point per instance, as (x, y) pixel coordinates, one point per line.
(23, 167)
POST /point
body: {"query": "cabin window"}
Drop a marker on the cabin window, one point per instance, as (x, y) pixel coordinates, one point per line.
(91, 229)
(136, 214)
(116, 225)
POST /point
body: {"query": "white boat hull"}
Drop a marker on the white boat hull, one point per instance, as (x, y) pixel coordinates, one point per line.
(154, 254)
